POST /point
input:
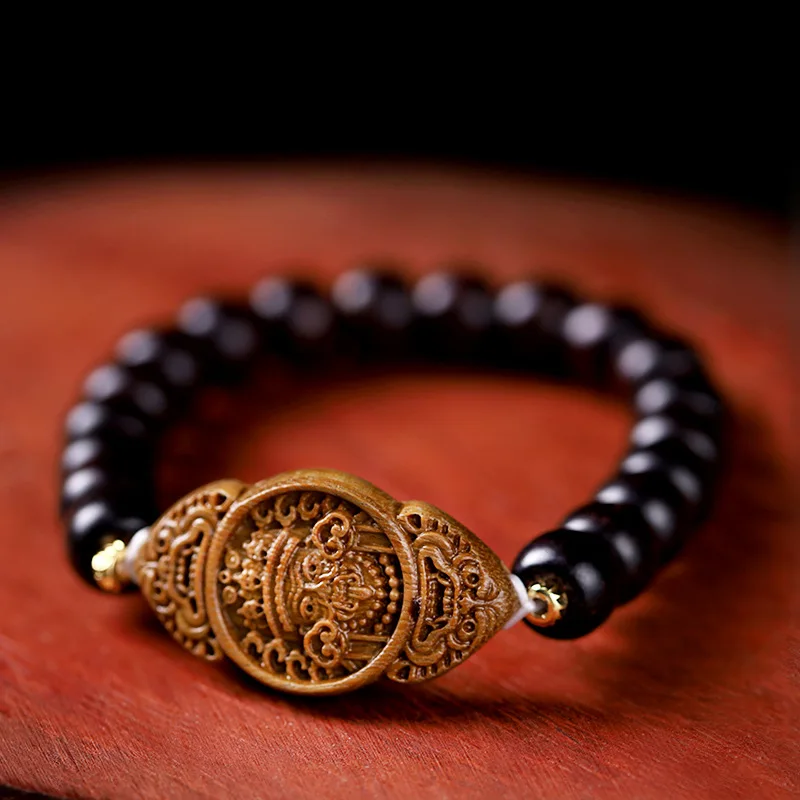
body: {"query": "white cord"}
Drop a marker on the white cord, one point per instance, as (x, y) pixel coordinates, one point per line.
(132, 551)
(525, 603)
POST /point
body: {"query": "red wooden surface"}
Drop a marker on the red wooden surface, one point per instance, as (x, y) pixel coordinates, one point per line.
(691, 691)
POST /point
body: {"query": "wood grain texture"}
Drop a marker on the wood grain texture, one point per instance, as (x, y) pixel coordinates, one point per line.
(690, 691)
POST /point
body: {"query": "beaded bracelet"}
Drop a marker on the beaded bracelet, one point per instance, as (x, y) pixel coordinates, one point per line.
(317, 582)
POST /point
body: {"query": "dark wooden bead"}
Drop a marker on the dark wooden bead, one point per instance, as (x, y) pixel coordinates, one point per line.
(530, 322)
(94, 451)
(170, 358)
(133, 494)
(651, 430)
(226, 335)
(118, 388)
(589, 569)
(669, 508)
(674, 450)
(693, 405)
(376, 312)
(90, 526)
(296, 322)
(593, 333)
(90, 419)
(454, 312)
(630, 535)
(650, 357)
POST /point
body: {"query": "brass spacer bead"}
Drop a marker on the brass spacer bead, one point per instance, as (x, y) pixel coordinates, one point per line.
(107, 567)
(549, 599)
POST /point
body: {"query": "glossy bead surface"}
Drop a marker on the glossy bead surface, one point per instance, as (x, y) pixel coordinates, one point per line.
(530, 322)
(695, 405)
(376, 312)
(651, 357)
(94, 451)
(134, 496)
(90, 419)
(296, 322)
(454, 313)
(226, 336)
(666, 507)
(588, 568)
(90, 526)
(118, 388)
(624, 527)
(592, 332)
(168, 358)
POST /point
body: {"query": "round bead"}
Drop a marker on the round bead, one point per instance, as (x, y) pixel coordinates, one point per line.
(94, 483)
(95, 451)
(665, 506)
(168, 358)
(90, 419)
(226, 334)
(375, 307)
(688, 406)
(588, 568)
(90, 526)
(119, 389)
(454, 317)
(627, 531)
(592, 333)
(530, 321)
(645, 358)
(296, 322)
(649, 431)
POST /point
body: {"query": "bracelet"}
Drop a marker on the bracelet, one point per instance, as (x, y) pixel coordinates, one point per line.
(317, 582)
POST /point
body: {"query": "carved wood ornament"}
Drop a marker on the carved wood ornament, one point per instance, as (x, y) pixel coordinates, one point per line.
(317, 582)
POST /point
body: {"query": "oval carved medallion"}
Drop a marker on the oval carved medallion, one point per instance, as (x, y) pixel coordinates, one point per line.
(317, 582)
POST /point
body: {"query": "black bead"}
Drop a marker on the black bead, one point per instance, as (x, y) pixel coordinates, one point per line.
(90, 526)
(376, 312)
(649, 357)
(691, 405)
(669, 508)
(133, 495)
(530, 322)
(629, 534)
(95, 451)
(675, 450)
(593, 332)
(295, 321)
(649, 431)
(589, 569)
(172, 359)
(454, 313)
(118, 388)
(226, 335)
(90, 419)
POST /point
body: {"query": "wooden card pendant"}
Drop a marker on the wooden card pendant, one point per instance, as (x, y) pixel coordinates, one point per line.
(317, 582)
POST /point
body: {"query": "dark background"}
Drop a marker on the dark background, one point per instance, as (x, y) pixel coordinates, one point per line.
(697, 169)
(709, 135)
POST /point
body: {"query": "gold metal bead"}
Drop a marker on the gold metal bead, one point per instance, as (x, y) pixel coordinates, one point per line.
(549, 601)
(106, 566)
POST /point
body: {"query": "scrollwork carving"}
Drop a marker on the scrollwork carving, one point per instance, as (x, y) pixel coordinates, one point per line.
(170, 565)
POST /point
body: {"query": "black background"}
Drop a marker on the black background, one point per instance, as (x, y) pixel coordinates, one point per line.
(708, 135)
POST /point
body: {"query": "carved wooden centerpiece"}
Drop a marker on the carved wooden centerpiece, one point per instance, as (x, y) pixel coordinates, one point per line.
(317, 582)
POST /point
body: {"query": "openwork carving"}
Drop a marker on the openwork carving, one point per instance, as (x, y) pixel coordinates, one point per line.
(170, 565)
(309, 587)
(317, 582)
(465, 595)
